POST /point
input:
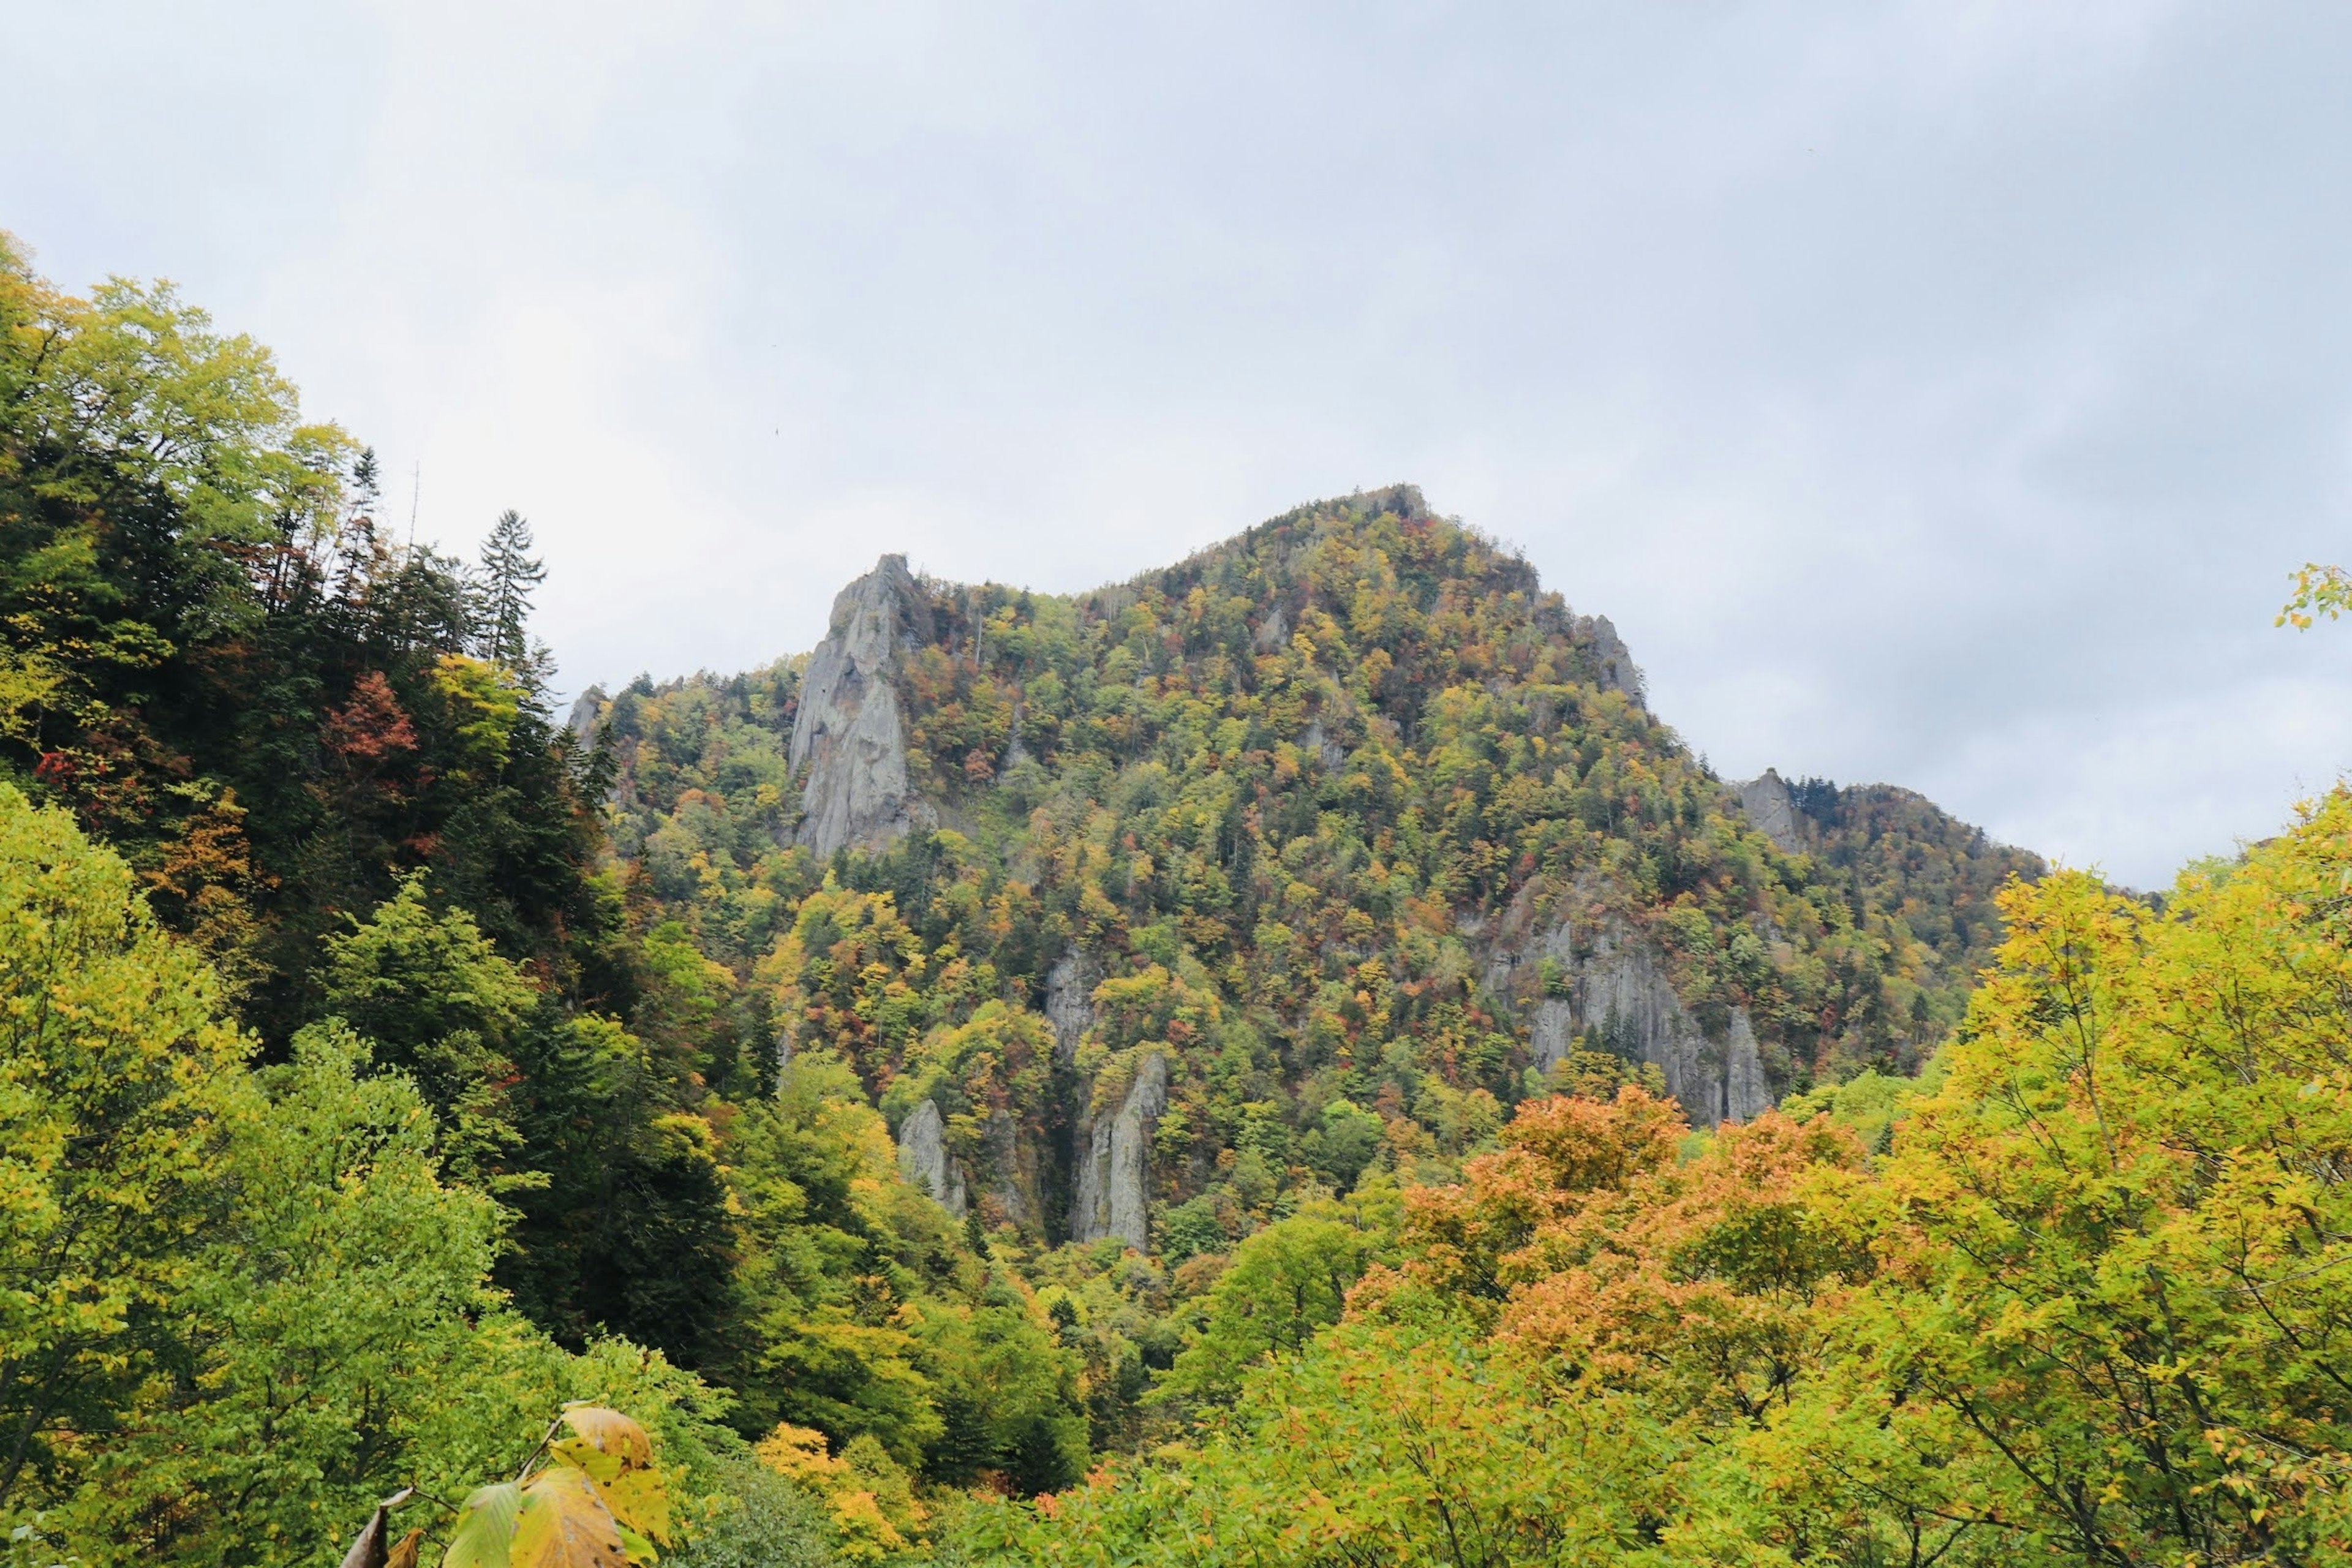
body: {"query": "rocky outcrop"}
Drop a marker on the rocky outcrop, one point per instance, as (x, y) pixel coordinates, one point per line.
(1114, 1170)
(1615, 668)
(1617, 986)
(1769, 805)
(1070, 1001)
(1317, 743)
(1015, 751)
(924, 1160)
(585, 710)
(848, 733)
(1009, 1184)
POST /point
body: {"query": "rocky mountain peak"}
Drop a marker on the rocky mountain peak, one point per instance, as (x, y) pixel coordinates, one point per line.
(1773, 810)
(849, 735)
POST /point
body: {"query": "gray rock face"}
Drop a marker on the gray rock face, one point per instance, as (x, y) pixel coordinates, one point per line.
(1746, 1094)
(1324, 748)
(1015, 752)
(1070, 1001)
(1773, 810)
(924, 1160)
(847, 732)
(1008, 1182)
(585, 710)
(1618, 673)
(1115, 1171)
(1619, 987)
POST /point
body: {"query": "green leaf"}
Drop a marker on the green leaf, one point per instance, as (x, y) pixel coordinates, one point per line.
(486, 1527)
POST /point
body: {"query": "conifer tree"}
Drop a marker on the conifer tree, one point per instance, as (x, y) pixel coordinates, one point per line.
(508, 574)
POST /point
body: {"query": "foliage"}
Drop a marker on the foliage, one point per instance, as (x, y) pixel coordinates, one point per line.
(240, 1306)
(591, 1499)
(865, 1317)
(1283, 1285)
(2319, 590)
(1910, 869)
(2111, 1252)
(759, 1520)
(328, 761)
(2085, 1305)
(874, 1511)
(118, 1085)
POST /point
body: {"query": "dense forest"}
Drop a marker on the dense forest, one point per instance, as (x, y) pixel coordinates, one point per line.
(1286, 1059)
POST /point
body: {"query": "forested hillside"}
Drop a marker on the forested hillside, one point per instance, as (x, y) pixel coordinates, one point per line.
(347, 1073)
(1327, 845)
(1286, 1059)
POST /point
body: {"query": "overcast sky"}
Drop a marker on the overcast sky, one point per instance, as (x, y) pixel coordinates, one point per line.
(1935, 394)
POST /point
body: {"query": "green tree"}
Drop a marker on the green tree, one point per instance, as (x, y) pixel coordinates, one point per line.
(443, 1005)
(1286, 1284)
(335, 1335)
(505, 580)
(117, 1081)
(235, 1308)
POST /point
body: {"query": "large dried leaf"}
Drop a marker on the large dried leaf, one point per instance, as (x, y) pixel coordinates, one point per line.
(566, 1524)
(486, 1527)
(404, 1550)
(368, 1550)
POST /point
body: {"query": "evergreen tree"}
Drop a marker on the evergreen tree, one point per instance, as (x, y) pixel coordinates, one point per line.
(503, 582)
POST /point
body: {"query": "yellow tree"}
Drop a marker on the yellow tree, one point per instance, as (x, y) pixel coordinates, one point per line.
(2115, 1317)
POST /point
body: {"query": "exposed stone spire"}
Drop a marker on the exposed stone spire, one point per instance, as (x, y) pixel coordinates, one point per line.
(1772, 809)
(847, 732)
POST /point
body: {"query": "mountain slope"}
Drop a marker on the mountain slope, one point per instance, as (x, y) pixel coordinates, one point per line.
(1149, 911)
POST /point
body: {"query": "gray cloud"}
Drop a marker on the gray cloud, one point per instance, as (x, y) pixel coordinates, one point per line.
(1932, 393)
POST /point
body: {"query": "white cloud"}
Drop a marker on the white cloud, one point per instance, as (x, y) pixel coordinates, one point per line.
(1932, 393)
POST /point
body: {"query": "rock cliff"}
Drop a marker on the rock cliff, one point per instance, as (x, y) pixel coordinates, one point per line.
(586, 709)
(1069, 1002)
(1114, 1164)
(1773, 810)
(1012, 1175)
(1616, 986)
(848, 733)
(924, 1160)
(1615, 660)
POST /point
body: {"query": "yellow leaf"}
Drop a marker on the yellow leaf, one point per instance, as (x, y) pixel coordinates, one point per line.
(564, 1524)
(619, 1443)
(615, 1452)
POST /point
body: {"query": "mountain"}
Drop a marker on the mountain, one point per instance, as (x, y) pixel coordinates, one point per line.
(1153, 911)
